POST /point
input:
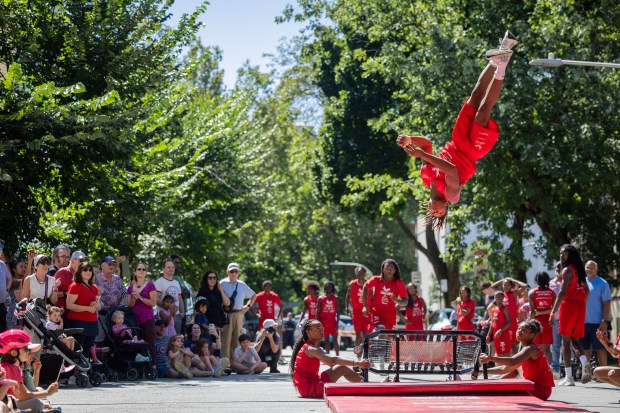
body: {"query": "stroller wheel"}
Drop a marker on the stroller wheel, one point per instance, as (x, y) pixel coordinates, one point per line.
(132, 374)
(81, 380)
(95, 379)
(150, 373)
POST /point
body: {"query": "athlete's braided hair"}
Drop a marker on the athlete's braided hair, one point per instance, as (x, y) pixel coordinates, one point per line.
(575, 259)
(436, 223)
(305, 326)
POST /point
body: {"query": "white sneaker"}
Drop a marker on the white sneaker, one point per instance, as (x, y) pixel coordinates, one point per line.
(508, 42)
(586, 377)
(569, 382)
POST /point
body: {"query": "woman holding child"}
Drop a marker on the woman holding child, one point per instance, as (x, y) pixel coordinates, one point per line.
(142, 298)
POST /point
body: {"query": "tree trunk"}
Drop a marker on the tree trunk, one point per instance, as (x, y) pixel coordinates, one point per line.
(443, 271)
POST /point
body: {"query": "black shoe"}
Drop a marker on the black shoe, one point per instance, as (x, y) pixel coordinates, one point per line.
(274, 371)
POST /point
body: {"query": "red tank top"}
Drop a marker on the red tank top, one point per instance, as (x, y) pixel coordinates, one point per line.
(538, 370)
(415, 315)
(356, 295)
(511, 303)
(311, 305)
(498, 318)
(306, 369)
(543, 299)
(328, 308)
(574, 290)
(465, 166)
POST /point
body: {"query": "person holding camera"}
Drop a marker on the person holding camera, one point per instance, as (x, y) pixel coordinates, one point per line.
(268, 345)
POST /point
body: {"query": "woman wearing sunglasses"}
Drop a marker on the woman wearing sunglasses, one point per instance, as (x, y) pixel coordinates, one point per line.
(142, 298)
(211, 288)
(83, 305)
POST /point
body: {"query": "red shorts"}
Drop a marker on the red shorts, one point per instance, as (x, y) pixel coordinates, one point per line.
(314, 390)
(330, 329)
(502, 344)
(387, 320)
(472, 139)
(361, 323)
(512, 330)
(546, 335)
(572, 318)
(541, 392)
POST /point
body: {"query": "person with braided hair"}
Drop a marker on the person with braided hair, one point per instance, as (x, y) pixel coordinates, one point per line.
(474, 135)
(307, 357)
(531, 359)
(571, 302)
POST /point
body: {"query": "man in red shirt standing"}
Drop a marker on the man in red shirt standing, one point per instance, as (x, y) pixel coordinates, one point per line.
(386, 289)
(361, 324)
(267, 301)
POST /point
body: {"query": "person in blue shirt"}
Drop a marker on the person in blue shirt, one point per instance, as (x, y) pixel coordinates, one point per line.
(598, 316)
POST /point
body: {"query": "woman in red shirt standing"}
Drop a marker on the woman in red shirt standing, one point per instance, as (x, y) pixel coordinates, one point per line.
(327, 313)
(465, 310)
(385, 290)
(83, 305)
(541, 300)
(531, 359)
(415, 311)
(306, 360)
(571, 301)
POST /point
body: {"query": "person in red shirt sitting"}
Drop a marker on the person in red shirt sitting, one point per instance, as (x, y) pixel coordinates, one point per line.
(267, 301)
(306, 360)
(531, 359)
(385, 290)
(609, 374)
(327, 313)
(473, 136)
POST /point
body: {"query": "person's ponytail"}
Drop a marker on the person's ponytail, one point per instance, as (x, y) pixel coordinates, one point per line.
(299, 344)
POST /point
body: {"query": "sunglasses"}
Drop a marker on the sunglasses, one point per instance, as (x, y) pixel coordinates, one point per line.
(140, 269)
(211, 278)
(87, 270)
(64, 257)
(233, 271)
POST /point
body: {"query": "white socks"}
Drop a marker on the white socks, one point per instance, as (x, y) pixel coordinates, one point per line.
(584, 360)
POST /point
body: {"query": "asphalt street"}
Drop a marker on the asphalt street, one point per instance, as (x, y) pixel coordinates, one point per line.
(264, 393)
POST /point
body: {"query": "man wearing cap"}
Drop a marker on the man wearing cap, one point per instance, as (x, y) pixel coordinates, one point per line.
(268, 344)
(237, 291)
(60, 259)
(167, 285)
(65, 275)
(110, 285)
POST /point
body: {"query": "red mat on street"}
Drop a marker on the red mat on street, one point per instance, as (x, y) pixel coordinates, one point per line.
(471, 396)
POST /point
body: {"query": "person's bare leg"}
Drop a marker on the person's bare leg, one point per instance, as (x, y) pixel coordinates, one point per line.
(337, 372)
(499, 59)
(482, 85)
(601, 356)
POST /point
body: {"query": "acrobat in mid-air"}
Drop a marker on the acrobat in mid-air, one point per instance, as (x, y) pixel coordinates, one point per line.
(473, 136)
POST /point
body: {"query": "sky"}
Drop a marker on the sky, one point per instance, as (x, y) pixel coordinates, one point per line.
(243, 29)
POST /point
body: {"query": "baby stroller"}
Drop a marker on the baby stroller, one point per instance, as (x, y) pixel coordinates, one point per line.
(55, 355)
(128, 357)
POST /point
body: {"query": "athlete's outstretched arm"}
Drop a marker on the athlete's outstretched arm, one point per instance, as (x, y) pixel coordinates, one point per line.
(448, 168)
(419, 141)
